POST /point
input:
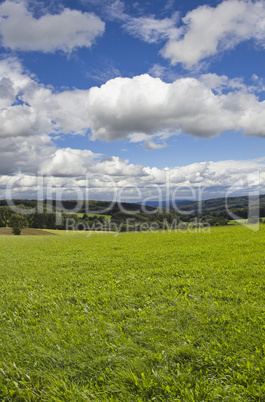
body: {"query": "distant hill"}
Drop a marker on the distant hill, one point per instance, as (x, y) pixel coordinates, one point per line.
(167, 204)
(91, 206)
(220, 204)
(100, 215)
(210, 206)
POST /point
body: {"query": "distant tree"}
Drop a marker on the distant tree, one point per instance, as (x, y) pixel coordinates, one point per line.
(38, 221)
(51, 221)
(222, 221)
(5, 214)
(215, 221)
(17, 222)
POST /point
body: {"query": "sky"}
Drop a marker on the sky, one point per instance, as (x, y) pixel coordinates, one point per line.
(134, 101)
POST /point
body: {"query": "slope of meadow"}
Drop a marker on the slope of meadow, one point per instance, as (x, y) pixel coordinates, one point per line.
(169, 316)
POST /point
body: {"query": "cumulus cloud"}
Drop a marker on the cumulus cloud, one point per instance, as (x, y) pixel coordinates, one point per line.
(208, 30)
(201, 33)
(220, 83)
(68, 162)
(7, 92)
(28, 108)
(26, 154)
(116, 167)
(67, 109)
(66, 31)
(79, 172)
(140, 109)
(146, 106)
(17, 117)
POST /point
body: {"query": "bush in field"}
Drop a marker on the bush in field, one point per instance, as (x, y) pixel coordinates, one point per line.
(16, 230)
(17, 222)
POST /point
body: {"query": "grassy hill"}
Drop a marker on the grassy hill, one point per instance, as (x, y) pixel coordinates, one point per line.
(219, 204)
(100, 214)
(91, 206)
(163, 316)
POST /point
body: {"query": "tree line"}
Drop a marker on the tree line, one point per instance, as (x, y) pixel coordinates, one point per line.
(129, 219)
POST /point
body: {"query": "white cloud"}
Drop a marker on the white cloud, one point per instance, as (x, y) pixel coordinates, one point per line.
(146, 28)
(170, 4)
(151, 145)
(220, 83)
(26, 154)
(16, 117)
(116, 10)
(140, 109)
(208, 31)
(104, 73)
(20, 120)
(117, 167)
(28, 108)
(69, 110)
(79, 172)
(146, 106)
(204, 31)
(157, 71)
(68, 162)
(7, 92)
(167, 74)
(66, 31)
(153, 30)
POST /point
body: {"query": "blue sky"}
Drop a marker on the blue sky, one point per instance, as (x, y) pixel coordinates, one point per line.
(124, 94)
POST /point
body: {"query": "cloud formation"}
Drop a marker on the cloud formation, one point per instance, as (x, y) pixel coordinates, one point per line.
(153, 30)
(66, 31)
(28, 108)
(24, 153)
(79, 172)
(146, 28)
(201, 33)
(139, 108)
(68, 162)
(151, 145)
(144, 105)
(208, 30)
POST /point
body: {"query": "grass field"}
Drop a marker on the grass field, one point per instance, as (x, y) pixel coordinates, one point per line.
(238, 221)
(173, 316)
(27, 232)
(242, 221)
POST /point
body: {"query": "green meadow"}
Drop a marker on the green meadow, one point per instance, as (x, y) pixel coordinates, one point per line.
(168, 316)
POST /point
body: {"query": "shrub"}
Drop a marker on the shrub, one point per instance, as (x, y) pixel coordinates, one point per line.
(17, 222)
